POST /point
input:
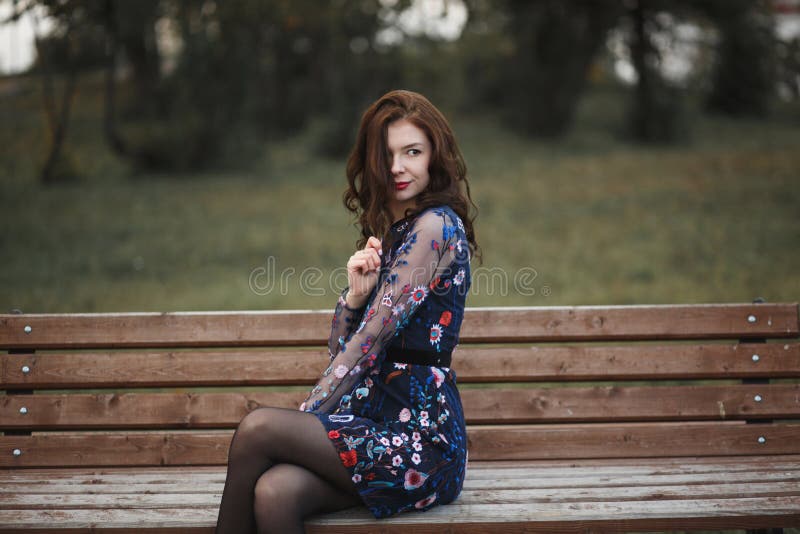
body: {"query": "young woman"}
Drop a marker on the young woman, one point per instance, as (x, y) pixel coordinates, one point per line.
(384, 425)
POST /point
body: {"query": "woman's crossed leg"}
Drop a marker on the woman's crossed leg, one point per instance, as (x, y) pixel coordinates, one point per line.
(281, 469)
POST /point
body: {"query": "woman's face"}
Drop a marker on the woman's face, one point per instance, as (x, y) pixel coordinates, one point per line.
(410, 152)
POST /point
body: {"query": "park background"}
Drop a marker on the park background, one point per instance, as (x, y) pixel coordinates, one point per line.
(166, 155)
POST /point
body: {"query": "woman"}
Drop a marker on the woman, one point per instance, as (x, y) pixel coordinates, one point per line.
(384, 425)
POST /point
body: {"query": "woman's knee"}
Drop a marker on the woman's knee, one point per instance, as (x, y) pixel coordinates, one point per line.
(254, 432)
(278, 497)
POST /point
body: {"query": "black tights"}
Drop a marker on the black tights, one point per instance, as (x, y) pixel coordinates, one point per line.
(282, 468)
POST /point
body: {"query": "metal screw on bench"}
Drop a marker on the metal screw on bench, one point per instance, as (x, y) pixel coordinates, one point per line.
(757, 398)
(751, 318)
(16, 452)
(26, 369)
(23, 410)
(756, 357)
(762, 439)
(27, 329)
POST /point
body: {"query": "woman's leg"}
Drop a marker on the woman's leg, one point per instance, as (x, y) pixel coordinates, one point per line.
(266, 437)
(287, 493)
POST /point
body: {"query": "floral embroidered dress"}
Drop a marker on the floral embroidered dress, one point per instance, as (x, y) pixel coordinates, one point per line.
(389, 399)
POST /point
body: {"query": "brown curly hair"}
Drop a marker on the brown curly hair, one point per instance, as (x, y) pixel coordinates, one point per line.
(370, 183)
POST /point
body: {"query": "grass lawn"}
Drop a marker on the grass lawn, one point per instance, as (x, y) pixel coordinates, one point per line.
(588, 220)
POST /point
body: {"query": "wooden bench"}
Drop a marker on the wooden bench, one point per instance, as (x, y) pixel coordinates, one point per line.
(611, 418)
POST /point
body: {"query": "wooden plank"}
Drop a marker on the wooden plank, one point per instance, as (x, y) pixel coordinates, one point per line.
(139, 410)
(165, 495)
(666, 463)
(477, 469)
(472, 363)
(497, 442)
(142, 498)
(481, 406)
(294, 327)
(122, 448)
(637, 403)
(576, 517)
(169, 329)
(530, 442)
(673, 361)
(694, 321)
(164, 369)
(545, 517)
(562, 471)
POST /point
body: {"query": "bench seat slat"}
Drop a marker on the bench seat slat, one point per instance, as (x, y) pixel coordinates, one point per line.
(190, 497)
(612, 516)
(472, 363)
(679, 486)
(507, 324)
(481, 406)
(511, 442)
(478, 470)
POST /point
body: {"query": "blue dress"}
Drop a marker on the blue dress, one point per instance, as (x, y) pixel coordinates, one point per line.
(398, 426)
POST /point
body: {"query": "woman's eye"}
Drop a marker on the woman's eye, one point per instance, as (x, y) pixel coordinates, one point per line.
(414, 150)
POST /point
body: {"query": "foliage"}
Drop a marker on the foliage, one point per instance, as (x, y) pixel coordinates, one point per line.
(198, 85)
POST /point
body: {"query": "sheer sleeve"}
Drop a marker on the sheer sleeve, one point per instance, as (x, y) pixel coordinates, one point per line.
(426, 252)
(343, 323)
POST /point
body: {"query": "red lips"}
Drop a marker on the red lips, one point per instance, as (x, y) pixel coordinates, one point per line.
(399, 186)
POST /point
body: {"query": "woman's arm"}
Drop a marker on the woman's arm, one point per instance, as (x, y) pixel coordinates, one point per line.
(344, 321)
(420, 261)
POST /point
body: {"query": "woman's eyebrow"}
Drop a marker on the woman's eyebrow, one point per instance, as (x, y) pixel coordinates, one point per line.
(409, 146)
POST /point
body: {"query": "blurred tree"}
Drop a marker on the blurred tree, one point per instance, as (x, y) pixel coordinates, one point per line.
(351, 70)
(656, 113)
(73, 45)
(484, 53)
(788, 68)
(554, 43)
(744, 78)
(250, 70)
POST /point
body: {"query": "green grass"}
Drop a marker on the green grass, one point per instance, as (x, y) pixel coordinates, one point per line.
(598, 220)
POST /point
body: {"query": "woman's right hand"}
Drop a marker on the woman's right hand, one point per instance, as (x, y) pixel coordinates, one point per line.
(362, 272)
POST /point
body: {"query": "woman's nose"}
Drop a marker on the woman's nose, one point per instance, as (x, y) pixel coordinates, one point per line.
(397, 166)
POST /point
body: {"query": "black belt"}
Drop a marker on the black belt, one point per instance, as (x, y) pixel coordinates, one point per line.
(418, 357)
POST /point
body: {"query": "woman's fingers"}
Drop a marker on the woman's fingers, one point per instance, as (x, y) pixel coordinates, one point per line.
(375, 244)
(373, 260)
(367, 259)
(364, 264)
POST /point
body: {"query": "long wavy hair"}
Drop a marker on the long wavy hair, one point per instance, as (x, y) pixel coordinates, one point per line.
(369, 177)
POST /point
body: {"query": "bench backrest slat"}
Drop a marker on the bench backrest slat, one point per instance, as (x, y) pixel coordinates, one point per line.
(486, 442)
(301, 366)
(481, 406)
(481, 325)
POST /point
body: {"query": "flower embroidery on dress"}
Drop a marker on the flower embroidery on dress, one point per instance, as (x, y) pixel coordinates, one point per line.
(438, 376)
(427, 501)
(349, 458)
(436, 335)
(418, 295)
(414, 479)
